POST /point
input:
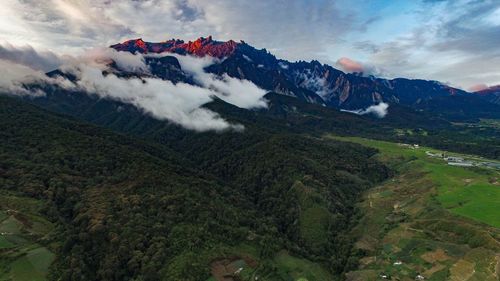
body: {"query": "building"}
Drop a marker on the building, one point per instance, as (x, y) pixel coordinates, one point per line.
(454, 159)
(461, 164)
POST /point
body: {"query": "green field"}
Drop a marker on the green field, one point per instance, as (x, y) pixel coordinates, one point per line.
(471, 192)
(432, 219)
(292, 268)
(22, 229)
(281, 266)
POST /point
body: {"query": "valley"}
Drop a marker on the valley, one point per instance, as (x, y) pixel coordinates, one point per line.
(432, 220)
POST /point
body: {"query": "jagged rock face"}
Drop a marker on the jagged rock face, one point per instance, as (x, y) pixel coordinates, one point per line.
(200, 47)
(168, 68)
(309, 81)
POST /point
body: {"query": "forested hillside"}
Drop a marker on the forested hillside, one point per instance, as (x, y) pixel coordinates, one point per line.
(131, 209)
(283, 115)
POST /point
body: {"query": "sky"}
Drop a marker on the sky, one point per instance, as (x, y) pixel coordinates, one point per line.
(452, 41)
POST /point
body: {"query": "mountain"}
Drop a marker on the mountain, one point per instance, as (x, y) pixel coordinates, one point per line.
(320, 83)
(491, 94)
(299, 110)
(168, 206)
(200, 47)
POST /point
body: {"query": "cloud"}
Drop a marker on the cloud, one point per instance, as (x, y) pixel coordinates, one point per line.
(478, 87)
(180, 103)
(28, 56)
(379, 110)
(348, 65)
(239, 92)
(23, 65)
(14, 76)
(70, 25)
(125, 61)
(351, 66)
(451, 41)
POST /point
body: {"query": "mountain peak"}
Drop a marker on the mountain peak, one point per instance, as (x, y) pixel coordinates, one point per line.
(489, 90)
(200, 47)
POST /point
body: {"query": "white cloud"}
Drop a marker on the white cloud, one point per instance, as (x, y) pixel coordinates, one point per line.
(71, 25)
(180, 103)
(28, 56)
(124, 60)
(241, 93)
(15, 76)
(379, 110)
(12, 77)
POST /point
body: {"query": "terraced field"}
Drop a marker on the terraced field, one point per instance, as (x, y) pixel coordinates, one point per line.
(430, 221)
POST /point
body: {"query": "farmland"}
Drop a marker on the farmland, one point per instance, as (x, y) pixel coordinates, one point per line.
(23, 235)
(432, 220)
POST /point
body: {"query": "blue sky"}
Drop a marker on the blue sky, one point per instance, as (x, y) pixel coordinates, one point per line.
(453, 41)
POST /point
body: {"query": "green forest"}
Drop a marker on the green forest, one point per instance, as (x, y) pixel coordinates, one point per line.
(121, 207)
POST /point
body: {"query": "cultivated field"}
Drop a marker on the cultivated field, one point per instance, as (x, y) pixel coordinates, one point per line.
(431, 220)
(23, 236)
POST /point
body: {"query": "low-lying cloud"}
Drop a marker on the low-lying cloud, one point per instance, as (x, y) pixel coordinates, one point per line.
(379, 110)
(125, 61)
(179, 103)
(14, 76)
(28, 56)
(239, 92)
(21, 65)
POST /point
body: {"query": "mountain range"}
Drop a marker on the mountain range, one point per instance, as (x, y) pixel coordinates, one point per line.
(319, 83)
(491, 94)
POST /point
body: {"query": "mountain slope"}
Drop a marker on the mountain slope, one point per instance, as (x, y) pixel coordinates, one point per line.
(491, 94)
(284, 114)
(127, 208)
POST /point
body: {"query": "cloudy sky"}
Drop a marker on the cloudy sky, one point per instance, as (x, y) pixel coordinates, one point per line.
(454, 41)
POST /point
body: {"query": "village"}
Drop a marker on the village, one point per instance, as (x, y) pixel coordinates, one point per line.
(456, 160)
(462, 162)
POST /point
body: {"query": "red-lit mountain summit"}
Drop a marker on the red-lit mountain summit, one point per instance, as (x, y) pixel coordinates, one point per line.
(200, 47)
(312, 81)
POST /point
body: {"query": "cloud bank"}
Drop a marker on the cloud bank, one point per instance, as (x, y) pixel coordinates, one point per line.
(179, 103)
(28, 56)
(379, 110)
(239, 92)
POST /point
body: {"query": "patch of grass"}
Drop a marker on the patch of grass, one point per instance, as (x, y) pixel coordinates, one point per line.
(298, 268)
(4, 243)
(22, 225)
(32, 266)
(11, 226)
(40, 258)
(314, 223)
